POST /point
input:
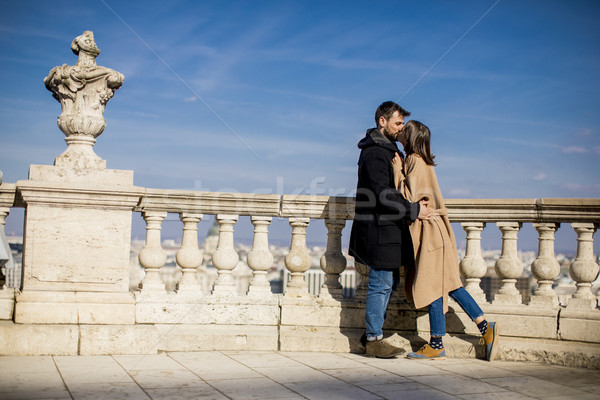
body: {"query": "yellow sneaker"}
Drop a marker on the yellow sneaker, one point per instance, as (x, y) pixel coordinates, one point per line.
(428, 353)
(490, 340)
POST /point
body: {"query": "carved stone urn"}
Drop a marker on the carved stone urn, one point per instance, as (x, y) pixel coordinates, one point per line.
(83, 91)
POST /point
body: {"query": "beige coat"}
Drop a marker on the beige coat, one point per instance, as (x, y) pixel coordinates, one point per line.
(437, 271)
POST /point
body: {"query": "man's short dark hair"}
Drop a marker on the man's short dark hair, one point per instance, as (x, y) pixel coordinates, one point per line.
(387, 109)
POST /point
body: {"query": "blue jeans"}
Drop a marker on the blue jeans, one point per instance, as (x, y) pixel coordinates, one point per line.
(381, 284)
(437, 319)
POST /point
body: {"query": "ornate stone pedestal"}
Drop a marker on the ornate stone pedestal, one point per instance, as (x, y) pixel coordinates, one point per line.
(78, 213)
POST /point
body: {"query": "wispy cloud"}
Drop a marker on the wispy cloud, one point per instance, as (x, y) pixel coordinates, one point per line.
(528, 143)
(574, 150)
(582, 189)
(459, 192)
(493, 118)
(31, 31)
(540, 177)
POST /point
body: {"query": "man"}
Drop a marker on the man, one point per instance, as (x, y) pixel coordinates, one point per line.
(380, 237)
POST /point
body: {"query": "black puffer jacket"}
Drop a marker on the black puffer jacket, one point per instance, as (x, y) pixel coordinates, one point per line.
(380, 237)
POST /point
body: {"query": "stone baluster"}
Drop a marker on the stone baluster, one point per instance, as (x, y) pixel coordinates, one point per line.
(545, 268)
(583, 269)
(225, 258)
(362, 283)
(298, 261)
(189, 256)
(508, 267)
(260, 258)
(473, 267)
(333, 262)
(152, 257)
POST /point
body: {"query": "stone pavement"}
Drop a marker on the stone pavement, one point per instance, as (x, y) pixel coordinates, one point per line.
(281, 375)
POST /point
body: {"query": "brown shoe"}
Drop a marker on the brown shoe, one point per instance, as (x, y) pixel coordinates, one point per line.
(382, 349)
(427, 353)
(491, 341)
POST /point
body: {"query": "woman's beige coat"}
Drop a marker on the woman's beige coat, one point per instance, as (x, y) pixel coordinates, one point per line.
(436, 261)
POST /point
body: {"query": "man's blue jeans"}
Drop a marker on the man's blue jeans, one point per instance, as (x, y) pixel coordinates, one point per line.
(381, 284)
(437, 319)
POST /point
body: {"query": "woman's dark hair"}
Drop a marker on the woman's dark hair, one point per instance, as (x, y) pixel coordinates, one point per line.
(418, 139)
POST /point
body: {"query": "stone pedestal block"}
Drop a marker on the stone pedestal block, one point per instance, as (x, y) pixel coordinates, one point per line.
(556, 352)
(77, 230)
(7, 303)
(579, 325)
(170, 308)
(524, 321)
(53, 307)
(217, 337)
(585, 303)
(314, 338)
(345, 314)
(310, 312)
(117, 339)
(37, 340)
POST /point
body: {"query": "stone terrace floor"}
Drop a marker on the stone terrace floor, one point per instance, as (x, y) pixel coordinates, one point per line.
(280, 375)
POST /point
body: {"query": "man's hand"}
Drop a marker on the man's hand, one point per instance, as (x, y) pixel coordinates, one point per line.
(425, 212)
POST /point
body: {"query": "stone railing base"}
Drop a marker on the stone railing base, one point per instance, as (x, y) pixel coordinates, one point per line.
(31, 339)
(545, 351)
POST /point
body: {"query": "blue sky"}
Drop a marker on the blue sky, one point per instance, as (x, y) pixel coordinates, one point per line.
(272, 96)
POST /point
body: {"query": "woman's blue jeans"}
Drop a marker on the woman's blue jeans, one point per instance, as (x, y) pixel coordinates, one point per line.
(381, 284)
(437, 319)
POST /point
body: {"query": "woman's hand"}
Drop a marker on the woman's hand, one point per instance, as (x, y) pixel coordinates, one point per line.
(397, 162)
(425, 213)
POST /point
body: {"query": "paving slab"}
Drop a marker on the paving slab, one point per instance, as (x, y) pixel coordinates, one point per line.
(272, 375)
(107, 391)
(296, 374)
(148, 362)
(253, 388)
(457, 384)
(531, 386)
(166, 379)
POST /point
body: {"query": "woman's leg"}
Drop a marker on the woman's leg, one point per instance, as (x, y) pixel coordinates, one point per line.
(468, 304)
(437, 319)
(489, 331)
(437, 328)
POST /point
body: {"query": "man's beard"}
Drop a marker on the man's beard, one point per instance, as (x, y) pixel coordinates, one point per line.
(388, 134)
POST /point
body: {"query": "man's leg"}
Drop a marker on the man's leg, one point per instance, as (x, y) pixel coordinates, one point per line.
(378, 297)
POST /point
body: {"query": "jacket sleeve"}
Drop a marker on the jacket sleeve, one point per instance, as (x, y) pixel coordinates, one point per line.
(377, 174)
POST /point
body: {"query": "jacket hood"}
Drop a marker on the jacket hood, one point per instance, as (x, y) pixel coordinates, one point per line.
(373, 137)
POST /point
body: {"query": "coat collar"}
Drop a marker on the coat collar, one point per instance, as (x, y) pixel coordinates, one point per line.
(374, 137)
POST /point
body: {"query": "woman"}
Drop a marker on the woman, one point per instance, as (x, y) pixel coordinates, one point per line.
(436, 275)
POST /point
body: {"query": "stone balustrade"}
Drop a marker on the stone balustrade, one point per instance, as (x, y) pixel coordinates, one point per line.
(189, 319)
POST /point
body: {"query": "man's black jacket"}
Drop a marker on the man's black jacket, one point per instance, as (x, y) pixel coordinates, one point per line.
(380, 237)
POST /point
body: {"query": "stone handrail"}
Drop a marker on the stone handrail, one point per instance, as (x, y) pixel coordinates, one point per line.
(473, 214)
